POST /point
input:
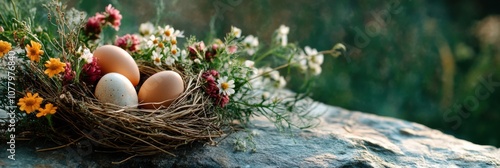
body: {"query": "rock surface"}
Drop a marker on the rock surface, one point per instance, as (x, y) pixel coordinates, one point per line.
(343, 139)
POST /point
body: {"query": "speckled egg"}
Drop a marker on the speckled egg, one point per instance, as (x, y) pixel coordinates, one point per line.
(111, 58)
(161, 89)
(116, 89)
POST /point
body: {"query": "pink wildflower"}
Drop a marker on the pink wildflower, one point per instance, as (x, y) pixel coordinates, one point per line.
(200, 46)
(223, 100)
(195, 49)
(211, 53)
(232, 49)
(113, 17)
(128, 42)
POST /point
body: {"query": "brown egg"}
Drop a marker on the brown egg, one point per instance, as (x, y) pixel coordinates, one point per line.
(111, 58)
(161, 89)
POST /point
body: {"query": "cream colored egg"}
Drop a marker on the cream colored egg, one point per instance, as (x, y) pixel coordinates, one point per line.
(116, 89)
(111, 58)
(161, 89)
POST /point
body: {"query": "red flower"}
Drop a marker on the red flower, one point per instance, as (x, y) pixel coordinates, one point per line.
(128, 42)
(69, 74)
(200, 46)
(94, 26)
(214, 73)
(212, 90)
(223, 100)
(211, 53)
(92, 72)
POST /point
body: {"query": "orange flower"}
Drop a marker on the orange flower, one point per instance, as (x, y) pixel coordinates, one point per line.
(30, 103)
(54, 66)
(34, 51)
(49, 109)
(5, 47)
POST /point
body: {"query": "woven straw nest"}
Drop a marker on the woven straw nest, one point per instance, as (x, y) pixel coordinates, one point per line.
(190, 117)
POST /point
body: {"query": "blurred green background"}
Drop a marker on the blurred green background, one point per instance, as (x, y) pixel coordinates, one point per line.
(422, 61)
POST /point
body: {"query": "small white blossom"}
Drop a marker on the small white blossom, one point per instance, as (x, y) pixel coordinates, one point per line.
(282, 35)
(183, 55)
(38, 29)
(226, 87)
(313, 56)
(146, 28)
(301, 61)
(151, 41)
(197, 61)
(236, 32)
(87, 56)
(249, 64)
(251, 44)
(169, 61)
(266, 95)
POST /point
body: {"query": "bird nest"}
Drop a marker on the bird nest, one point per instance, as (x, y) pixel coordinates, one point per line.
(190, 117)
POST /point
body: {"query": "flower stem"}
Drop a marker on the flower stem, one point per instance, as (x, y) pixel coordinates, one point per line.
(49, 118)
(274, 69)
(265, 55)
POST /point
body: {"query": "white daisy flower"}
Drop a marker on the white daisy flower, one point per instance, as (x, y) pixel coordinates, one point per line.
(178, 33)
(146, 29)
(169, 33)
(225, 87)
(174, 51)
(169, 61)
(236, 32)
(167, 30)
(173, 40)
(152, 41)
(156, 57)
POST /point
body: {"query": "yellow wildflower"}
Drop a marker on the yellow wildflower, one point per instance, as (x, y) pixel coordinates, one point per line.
(49, 109)
(30, 103)
(5, 47)
(54, 66)
(34, 51)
